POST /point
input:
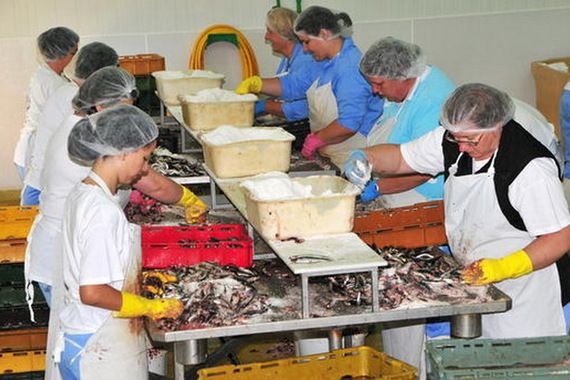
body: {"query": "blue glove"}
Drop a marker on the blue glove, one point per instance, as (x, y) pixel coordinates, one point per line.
(370, 192)
(259, 106)
(357, 169)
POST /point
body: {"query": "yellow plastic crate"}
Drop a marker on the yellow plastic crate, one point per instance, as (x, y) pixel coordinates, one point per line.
(351, 362)
(23, 340)
(12, 251)
(16, 221)
(22, 361)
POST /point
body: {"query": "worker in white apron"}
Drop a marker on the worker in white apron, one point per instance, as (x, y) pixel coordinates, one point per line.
(295, 62)
(506, 217)
(104, 88)
(101, 252)
(414, 94)
(56, 47)
(57, 107)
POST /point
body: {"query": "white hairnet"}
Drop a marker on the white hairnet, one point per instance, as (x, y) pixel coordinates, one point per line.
(315, 18)
(393, 59)
(92, 57)
(113, 131)
(476, 107)
(281, 20)
(56, 43)
(105, 87)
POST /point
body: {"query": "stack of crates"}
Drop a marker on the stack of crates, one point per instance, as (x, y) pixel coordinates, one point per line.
(420, 225)
(142, 66)
(22, 342)
(522, 358)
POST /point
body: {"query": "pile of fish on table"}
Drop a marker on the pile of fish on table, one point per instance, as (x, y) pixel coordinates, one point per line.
(413, 277)
(216, 295)
(173, 165)
(213, 295)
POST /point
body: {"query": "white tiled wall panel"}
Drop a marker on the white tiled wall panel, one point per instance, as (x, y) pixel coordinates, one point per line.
(491, 41)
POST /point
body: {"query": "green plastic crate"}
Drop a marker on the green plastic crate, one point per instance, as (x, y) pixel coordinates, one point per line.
(12, 275)
(536, 358)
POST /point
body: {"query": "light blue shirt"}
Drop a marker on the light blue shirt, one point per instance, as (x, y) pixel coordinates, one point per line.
(565, 130)
(357, 106)
(300, 63)
(420, 114)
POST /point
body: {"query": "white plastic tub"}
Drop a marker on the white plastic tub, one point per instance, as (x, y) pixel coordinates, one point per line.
(239, 152)
(329, 209)
(210, 108)
(171, 84)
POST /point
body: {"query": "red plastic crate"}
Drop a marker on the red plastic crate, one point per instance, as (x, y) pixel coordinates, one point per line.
(220, 243)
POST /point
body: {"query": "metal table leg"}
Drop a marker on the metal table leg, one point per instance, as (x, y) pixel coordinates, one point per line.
(213, 194)
(305, 295)
(335, 339)
(375, 292)
(466, 326)
(188, 352)
(161, 114)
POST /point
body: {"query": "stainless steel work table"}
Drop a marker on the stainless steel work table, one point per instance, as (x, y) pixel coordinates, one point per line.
(190, 345)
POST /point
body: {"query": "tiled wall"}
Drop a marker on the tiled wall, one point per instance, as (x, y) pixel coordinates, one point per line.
(491, 41)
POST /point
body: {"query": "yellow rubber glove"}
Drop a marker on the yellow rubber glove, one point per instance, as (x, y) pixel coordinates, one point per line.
(250, 85)
(194, 207)
(487, 271)
(137, 306)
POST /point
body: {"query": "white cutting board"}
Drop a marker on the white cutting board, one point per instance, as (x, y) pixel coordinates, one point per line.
(346, 251)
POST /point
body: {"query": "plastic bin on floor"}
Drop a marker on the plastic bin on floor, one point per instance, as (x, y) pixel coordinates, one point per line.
(524, 358)
(359, 362)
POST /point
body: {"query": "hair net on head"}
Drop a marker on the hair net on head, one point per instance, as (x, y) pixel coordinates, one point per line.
(105, 87)
(476, 107)
(113, 131)
(315, 18)
(393, 59)
(280, 21)
(56, 43)
(92, 57)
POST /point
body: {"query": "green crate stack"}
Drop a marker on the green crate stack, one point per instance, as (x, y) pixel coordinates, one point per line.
(13, 307)
(39, 375)
(523, 358)
(147, 100)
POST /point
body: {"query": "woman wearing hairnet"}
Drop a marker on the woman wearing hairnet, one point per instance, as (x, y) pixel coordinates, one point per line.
(279, 24)
(104, 88)
(414, 94)
(506, 217)
(56, 47)
(342, 108)
(57, 108)
(101, 251)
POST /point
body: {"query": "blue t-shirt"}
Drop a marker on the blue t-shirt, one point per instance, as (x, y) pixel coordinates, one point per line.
(357, 106)
(300, 63)
(420, 114)
(565, 129)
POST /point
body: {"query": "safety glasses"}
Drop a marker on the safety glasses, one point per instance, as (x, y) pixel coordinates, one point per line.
(473, 142)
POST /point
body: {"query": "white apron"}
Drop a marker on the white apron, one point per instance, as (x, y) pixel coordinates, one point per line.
(323, 111)
(476, 229)
(380, 134)
(118, 350)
